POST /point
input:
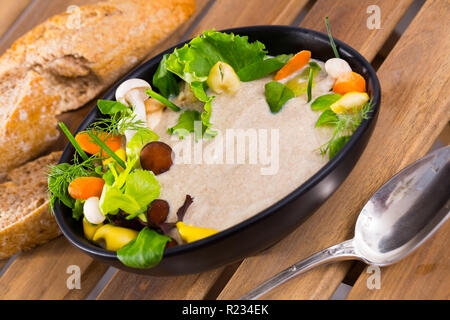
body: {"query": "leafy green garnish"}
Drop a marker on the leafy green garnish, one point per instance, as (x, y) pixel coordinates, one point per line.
(260, 69)
(165, 80)
(131, 191)
(193, 61)
(61, 175)
(328, 117)
(77, 211)
(139, 140)
(110, 107)
(345, 126)
(145, 251)
(333, 45)
(185, 123)
(277, 94)
(208, 132)
(324, 102)
(163, 100)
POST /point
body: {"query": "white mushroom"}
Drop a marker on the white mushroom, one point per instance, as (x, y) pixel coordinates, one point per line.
(92, 212)
(336, 66)
(132, 92)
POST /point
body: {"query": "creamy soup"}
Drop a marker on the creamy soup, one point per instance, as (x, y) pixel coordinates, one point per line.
(229, 193)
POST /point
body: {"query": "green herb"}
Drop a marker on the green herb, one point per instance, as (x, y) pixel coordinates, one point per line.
(139, 140)
(344, 128)
(262, 68)
(324, 102)
(193, 62)
(164, 80)
(61, 175)
(310, 84)
(111, 107)
(162, 99)
(145, 251)
(108, 150)
(333, 45)
(73, 141)
(277, 94)
(118, 123)
(140, 188)
(185, 124)
(208, 132)
(77, 211)
(328, 117)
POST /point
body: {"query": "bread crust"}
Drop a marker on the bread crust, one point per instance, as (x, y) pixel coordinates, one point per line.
(37, 226)
(68, 60)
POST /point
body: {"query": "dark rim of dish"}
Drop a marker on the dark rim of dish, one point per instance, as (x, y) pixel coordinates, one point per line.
(316, 178)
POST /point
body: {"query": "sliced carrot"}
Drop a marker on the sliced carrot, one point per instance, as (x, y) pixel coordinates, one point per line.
(349, 82)
(294, 64)
(89, 146)
(86, 187)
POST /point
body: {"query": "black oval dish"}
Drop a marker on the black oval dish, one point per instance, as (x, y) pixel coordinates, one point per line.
(275, 222)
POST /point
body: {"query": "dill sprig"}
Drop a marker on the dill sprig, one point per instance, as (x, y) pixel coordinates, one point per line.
(61, 175)
(118, 123)
(345, 126)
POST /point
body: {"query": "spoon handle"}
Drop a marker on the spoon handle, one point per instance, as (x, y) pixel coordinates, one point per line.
(342, 251)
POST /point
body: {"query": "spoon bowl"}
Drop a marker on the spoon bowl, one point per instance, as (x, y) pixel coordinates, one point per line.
(404, 212)
(396, 220)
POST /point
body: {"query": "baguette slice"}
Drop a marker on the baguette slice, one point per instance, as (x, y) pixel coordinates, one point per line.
(75, 56)
(25, 218)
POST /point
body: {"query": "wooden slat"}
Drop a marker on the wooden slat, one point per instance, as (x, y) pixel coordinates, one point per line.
(237, 13)
(423, 275)
(349, 22)
(9, 13)
(21, 279)
(334, 221)
(129, 286)
(426, 273)
(42, 273)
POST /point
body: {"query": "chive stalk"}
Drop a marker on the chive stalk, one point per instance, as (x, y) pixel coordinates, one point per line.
(107, 149)
(163, 100)
(73, 141)
(310, 83)
(333, 45)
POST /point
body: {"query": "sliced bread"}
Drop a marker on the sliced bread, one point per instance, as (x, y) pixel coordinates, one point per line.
(25, 218)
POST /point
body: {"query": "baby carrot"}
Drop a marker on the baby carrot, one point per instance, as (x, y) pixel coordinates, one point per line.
(86, 187)
(88, 145)
(294, 64)
(349, 82)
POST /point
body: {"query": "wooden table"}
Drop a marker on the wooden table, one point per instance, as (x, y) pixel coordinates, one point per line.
(415, 109)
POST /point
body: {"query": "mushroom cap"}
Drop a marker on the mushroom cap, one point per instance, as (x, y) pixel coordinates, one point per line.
(129, 85)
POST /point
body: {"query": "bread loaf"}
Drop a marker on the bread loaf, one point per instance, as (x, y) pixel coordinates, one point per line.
(66, 61)
(25, 218)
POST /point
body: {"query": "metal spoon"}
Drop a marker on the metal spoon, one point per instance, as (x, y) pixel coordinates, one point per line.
(398, 218)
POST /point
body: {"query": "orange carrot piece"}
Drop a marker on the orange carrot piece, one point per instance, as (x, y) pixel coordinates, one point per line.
(349, 82)
(89, 146)
(294, 64)
(86, 187)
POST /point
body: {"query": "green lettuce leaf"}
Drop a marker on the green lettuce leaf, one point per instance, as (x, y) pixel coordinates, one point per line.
(328, 117)
(185, 123)
(165, 80)
(194, 60)
(143, 186)
(140, 140)
(260, 69)
(324, 102)
(110, 107)
(277, 94)
(145, 251)
(337, 145)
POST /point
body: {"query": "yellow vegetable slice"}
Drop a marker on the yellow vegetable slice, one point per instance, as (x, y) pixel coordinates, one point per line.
(350, 102)
(121, 153)
(90, 229)
(114, 237)
(191, 233)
